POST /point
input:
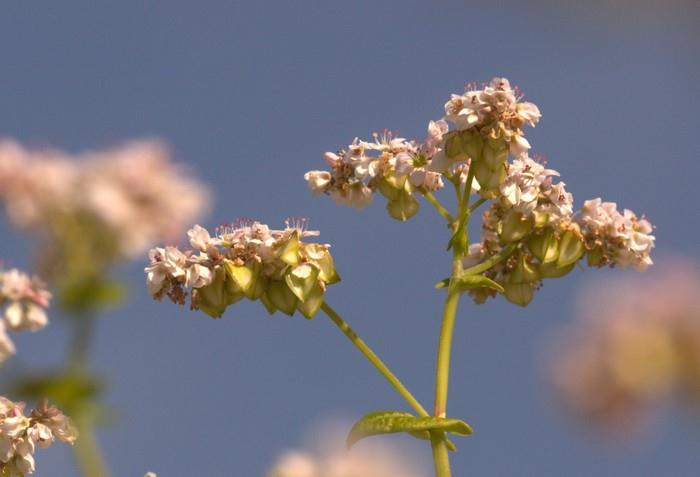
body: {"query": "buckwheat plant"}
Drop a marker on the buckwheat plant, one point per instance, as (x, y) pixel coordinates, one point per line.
(91, 212)
(529, 233)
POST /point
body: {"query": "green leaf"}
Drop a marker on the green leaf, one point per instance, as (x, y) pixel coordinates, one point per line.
(444, 283)
(391, 422)
(470, 282)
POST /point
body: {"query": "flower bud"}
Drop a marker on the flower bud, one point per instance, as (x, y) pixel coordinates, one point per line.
(571, 247)
(515, 226)
(544, 246)
(213, 299)
(404, 207)
(519, 293)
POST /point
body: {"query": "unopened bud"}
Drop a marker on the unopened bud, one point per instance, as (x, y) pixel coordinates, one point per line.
(288, 250)
(524, 272)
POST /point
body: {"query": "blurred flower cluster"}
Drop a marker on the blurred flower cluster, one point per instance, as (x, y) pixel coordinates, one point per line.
(246, 259)
(134, 192)
(635, 347)
(20, 434)
(530, 232)
(25, 300)
(331, 459)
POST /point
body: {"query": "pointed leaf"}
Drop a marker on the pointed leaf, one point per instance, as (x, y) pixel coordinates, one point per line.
(470, 282)
(390, 422)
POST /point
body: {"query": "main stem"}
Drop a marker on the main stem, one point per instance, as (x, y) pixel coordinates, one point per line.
(374, 359)
(438, 441)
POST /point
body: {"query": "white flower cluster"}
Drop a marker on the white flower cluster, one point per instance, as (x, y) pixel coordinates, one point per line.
(536, 216)
(615, 238)
(488, 124)
(634, 348)
(382, 461)
(496, 111)
(25, 300)
(245, 260)
(20, 434)
(392, 165)
(135, 193)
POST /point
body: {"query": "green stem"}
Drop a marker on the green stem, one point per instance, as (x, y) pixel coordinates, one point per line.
(438, 206)
(476, 204)
(491, 261)
(374, 359)
(88, 454)
(438, 442)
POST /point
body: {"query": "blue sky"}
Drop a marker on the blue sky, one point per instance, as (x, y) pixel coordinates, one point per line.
(250, 95)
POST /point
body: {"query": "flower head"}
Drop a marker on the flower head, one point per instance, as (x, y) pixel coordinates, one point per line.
(20, 434)
(245, 259)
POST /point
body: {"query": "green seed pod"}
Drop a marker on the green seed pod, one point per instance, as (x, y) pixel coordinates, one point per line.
(494, 158)
(552, 270)
(388, 188)
(596, 257)
(524, 272)
(453, 148)
(302, 279)
(313, 302)
(244, 278)
(515, 227)
(322, 258)
(281, 297)
(571, 247)
(472, 144)
(288, 250)
(213, 298)
(404, 207)
(544, 246)
(519, 293)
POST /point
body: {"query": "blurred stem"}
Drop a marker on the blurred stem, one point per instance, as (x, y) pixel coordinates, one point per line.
(438, 206)
(88, 453)
(486, 264)
(81, 341)
(374, 359)
(87, 450)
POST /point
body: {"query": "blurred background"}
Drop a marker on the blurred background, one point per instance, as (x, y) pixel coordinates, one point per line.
(250, 95)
